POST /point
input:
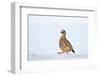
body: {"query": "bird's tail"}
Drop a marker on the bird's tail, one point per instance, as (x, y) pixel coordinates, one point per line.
(73, 51)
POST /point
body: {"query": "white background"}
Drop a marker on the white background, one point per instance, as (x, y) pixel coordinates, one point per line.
(5, 33)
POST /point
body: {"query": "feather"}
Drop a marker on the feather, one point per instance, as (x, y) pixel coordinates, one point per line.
(64, 44)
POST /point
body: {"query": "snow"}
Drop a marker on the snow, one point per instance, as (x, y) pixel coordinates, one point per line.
(53, 55)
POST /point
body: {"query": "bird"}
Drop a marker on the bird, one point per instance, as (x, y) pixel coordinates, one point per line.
(64, 44)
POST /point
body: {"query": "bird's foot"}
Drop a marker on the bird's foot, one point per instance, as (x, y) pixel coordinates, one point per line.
(60, 52)
(67, 53)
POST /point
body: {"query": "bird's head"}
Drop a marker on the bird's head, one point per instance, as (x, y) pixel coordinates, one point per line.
(63, 32)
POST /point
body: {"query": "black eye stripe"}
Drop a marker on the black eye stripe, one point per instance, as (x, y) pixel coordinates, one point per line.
(63, 31)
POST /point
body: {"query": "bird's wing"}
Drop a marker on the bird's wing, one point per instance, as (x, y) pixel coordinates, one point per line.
(67, 43)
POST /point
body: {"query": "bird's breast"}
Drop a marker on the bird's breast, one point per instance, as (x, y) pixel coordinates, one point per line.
(61, 43)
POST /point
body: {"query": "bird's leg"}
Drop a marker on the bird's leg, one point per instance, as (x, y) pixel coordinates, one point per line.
(67, 53)
(60, 52)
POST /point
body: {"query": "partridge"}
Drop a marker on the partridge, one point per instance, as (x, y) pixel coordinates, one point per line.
(64, 44)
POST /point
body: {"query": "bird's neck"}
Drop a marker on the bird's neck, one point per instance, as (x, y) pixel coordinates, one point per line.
(63, 35)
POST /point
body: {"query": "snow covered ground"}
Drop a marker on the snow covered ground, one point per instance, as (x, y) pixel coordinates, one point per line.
(55, 56)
